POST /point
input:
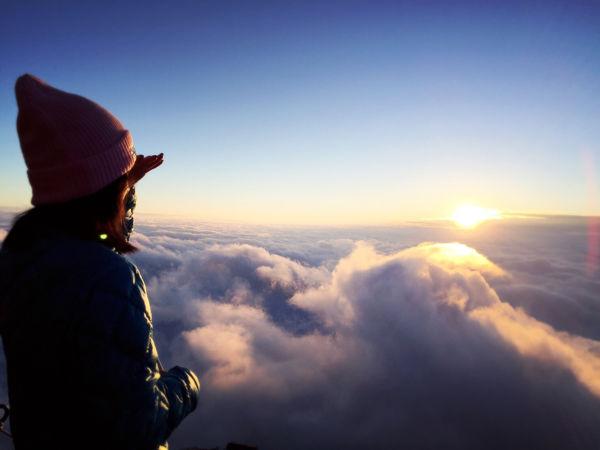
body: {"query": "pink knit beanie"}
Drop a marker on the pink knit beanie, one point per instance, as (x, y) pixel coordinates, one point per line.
(72, 146)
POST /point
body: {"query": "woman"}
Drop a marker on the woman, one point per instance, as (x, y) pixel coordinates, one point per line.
(76, 325)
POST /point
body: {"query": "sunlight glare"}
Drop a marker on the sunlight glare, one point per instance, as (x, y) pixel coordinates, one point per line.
(469, 216)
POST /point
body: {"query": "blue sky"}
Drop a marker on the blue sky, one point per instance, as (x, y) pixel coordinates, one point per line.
(328, 112)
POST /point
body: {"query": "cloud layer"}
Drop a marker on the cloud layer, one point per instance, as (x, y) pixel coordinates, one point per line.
(354, 338)
(386, 348)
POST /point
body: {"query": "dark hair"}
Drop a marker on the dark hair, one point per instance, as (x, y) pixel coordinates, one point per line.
(96, 217)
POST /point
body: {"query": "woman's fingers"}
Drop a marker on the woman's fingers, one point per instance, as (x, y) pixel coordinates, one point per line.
(153, 160)
(152, 164)
(143, 165)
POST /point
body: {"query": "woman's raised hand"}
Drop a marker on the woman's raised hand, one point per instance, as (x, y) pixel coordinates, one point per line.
(143, 165)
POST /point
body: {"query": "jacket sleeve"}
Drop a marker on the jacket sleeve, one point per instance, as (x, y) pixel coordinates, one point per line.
(144, 402)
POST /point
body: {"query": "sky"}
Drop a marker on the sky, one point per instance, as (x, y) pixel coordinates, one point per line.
(332, 112)
(408, 334)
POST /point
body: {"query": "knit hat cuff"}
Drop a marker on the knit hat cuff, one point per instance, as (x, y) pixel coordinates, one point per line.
(83, 177)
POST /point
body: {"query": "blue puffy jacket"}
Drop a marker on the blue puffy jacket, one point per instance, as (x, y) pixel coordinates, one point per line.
(83, 370)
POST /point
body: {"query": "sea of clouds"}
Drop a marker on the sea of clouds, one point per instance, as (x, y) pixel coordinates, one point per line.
(417, 336)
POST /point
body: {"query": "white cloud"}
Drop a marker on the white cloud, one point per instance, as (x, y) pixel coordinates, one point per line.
(383, 348)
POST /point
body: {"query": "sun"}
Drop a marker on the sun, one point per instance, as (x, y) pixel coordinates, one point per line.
(469, 216)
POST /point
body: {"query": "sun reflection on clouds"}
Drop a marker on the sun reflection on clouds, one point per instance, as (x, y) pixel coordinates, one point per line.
(456, 255)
